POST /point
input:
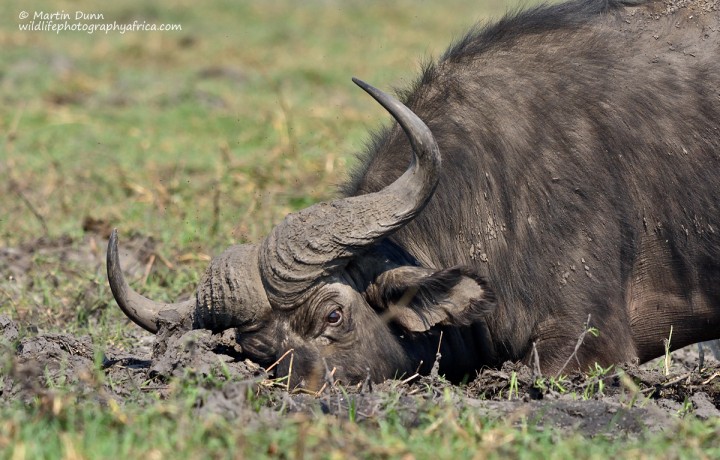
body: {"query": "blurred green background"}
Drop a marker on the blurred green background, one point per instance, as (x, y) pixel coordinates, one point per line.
(251, 101)
(198, 138)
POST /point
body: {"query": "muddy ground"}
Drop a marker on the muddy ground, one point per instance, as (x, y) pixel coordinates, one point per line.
(633, 400)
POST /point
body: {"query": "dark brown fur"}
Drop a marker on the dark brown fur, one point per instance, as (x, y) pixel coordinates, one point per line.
(580, 176)
(569, 169)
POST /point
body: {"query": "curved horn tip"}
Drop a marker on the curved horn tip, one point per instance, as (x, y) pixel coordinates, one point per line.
(113, 260)
(112, 242)
(361, 83)
(377, 94)
(141, 310)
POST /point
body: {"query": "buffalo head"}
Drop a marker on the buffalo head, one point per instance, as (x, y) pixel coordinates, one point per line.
(326, 285)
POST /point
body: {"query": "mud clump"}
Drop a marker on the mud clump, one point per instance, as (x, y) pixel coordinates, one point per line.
(178, 353)
(621, 402)
(48, 361)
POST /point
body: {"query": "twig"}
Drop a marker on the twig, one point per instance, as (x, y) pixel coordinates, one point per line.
(666, 344)
(165, 262)
(155, 387)
(148, 267)
(712, 377)
(329, 377)
(668, 383)
(415, 391)
(536, 362)
(579, 343)
(278, 361)
(289, 376)
(434, 373)
(367, 383)
(411, 378)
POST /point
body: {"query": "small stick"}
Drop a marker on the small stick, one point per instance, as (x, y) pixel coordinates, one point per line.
(536, 361)
(412, 377)
(148, 267)
(579, 343)
(666, 344)
(287, 388)
(329, 378)
(164, 260)
(436, 365)
(415, 391)
(668, 383)
(278, 361)
(155, 387)
(712, 377)
(329, 375)
(367, 383)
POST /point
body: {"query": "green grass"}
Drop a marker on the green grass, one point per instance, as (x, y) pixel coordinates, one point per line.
(140, 128)
(201, 138)
(59, 426)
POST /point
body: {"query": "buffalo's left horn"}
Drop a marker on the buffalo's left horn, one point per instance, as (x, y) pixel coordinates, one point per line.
(318, 241)
(143, 311)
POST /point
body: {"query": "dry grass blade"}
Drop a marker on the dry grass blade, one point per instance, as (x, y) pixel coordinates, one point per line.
(289, 376)
(148, 268)
(711, 378)
(329, 378)
(581, 339)
(537, 373)
(435, 371)
(272, 366)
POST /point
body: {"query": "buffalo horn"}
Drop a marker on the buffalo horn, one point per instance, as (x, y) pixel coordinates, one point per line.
(320, 240)
(143, 311)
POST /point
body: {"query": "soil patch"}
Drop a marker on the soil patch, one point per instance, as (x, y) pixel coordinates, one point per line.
(628, 401)
(624, 401)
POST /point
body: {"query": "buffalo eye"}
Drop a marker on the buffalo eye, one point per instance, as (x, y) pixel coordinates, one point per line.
(334, 317)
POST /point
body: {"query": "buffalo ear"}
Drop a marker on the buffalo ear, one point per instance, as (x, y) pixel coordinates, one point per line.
(418, 298)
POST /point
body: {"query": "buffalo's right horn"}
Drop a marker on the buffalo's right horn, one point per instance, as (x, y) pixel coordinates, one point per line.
(318, 241)
(243, 284)
(143, 311)
(230, 294)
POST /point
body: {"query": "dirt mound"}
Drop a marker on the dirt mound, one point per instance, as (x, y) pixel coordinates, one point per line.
(619, 402)
(36, 366)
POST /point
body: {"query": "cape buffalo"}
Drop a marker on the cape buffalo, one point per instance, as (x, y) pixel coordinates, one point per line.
(564, 163)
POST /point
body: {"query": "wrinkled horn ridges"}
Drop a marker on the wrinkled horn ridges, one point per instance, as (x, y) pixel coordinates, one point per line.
(319, 240)
(231, 294)
(143, 311)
